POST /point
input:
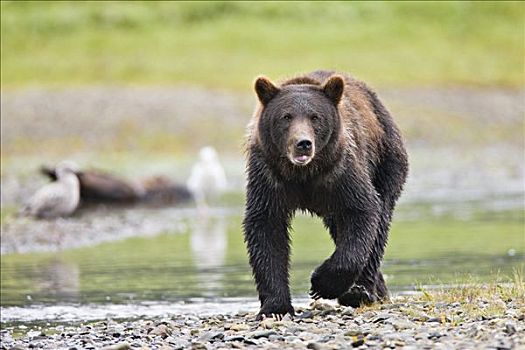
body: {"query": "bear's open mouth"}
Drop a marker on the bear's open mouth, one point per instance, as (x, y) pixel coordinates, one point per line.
(302, 159)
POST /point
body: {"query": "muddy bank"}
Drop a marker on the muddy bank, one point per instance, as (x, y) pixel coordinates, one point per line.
(405, 322)
(95, 225)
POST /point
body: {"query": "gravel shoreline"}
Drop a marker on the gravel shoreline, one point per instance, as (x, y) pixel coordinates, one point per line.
(403, 323)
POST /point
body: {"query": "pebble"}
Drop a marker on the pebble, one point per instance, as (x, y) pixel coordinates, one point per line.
(510, 329)
(239, 327)
(348, 311)
(305, 315)
(267, 323)
(119, 346)
(262, 334)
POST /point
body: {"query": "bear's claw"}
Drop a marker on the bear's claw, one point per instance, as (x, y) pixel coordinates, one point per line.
(275, 311)
(357, 296)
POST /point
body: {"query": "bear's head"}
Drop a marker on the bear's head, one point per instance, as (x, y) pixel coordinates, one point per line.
(298, 120)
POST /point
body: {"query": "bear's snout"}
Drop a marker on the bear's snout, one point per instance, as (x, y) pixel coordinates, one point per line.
(301, 142)
(301, 151)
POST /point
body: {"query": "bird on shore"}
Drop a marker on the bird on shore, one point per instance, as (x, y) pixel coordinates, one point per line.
(59, 198)
(207, 179)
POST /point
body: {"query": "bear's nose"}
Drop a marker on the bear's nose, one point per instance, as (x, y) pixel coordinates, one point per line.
(304, 145)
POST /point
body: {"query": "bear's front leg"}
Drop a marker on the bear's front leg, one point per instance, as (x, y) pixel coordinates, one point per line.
(266, 235)
(354, 240)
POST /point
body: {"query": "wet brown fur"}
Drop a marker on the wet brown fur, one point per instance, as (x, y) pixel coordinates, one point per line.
(352, 183)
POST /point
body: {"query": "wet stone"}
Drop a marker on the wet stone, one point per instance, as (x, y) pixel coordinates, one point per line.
(510, 329)
(305, 314)
(261, 334)
(231, 338)
(358, 342)
(381, 318)
(315, 346)
(353, 332)
(198, 346)
(239, 327)
(211, 336)
(348, 311)
(275, 337)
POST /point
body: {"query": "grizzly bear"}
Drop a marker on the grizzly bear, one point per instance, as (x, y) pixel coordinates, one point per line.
(321, 143)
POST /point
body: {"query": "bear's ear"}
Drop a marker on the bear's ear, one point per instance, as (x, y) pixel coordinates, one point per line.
(265, 90)
(334, 88)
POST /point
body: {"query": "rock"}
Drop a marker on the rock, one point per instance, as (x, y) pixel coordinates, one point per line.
(239, 327)
(286, 318)
(400, 324)
(234, 338)
(119, 346)
(261, 334)
(198, 346)
(267, 323)
(161, 330)
(327, 312)
(325, 339)
(318, 305)
(380, 318)
(510, 329)
(353, 333)
(421, 317)
(348, 311)
(358, 342)
(315, 346)
(32, 334)
(306, 314)
(211, 336)
(435, 335)
(275, 337)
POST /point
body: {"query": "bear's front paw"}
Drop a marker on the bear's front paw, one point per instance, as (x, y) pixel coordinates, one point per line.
(275, 310)
(329, 282)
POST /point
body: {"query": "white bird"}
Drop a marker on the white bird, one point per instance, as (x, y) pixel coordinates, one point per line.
(59, 198)
(207, 179)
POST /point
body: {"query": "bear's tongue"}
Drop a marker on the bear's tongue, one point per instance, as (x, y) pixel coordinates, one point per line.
(301, 159)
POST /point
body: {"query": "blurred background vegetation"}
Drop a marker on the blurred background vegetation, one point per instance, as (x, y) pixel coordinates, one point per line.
(225, 44)
(109, 48)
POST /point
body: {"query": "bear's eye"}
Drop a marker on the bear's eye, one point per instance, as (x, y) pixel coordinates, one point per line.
(314, 117)
(287, 116)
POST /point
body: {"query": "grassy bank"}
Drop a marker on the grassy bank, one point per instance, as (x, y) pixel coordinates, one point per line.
(225, 44)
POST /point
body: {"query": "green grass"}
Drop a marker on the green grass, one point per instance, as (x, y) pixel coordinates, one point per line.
(226, 44)
(468, 300)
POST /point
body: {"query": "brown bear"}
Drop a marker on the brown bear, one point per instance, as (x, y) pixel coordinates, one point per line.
(321, 143)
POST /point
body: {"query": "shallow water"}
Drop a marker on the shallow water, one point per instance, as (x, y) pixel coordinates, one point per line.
(203, 263)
